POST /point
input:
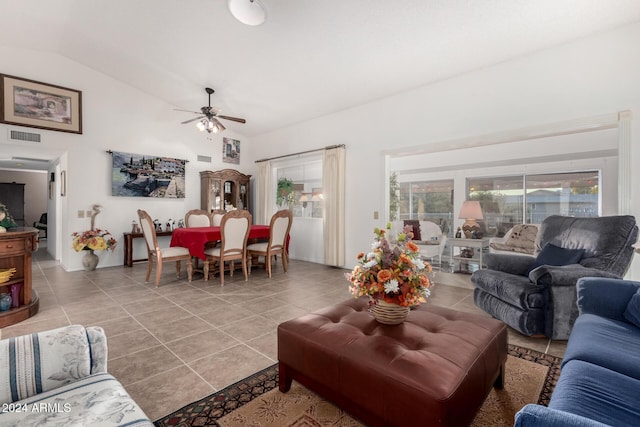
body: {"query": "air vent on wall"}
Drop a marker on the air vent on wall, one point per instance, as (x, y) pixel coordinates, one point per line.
(205, 159)
(18, 135)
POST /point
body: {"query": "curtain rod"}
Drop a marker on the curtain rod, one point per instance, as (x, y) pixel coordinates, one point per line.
(301, 152)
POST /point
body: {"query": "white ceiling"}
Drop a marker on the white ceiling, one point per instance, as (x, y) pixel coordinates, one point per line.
(311, 58)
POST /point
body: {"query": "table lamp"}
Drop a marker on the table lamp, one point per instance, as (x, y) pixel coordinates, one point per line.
(470, 211)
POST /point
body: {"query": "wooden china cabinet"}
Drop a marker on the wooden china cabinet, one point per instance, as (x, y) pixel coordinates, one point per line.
(224, 188)
(16, 246)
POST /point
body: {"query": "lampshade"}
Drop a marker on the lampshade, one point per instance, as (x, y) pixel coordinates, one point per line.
(317, 197)
(211, 126)
(249, 12)
(304, 198)
(216, 126)
(471, 211)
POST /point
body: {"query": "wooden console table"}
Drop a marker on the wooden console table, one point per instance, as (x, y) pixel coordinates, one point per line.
(16, 246)
(128, 246)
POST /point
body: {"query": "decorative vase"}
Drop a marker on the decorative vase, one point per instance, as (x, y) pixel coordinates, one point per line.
(90, 260)
(15, 294)
(5, 302)
(389, 314)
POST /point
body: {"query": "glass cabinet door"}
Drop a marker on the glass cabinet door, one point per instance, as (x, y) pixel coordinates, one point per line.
(229, 194)
(242, 197)
(216, 199)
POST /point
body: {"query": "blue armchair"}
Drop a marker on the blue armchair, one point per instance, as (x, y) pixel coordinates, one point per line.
(541, 299)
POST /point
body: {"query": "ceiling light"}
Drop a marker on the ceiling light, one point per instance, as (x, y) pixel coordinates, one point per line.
(249, 12)
(202, 124)
(216, 126)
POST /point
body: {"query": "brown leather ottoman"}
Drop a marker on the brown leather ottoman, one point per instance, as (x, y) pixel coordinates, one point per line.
(435, 369)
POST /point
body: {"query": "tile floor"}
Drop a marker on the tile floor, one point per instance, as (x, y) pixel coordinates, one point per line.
(175, 344)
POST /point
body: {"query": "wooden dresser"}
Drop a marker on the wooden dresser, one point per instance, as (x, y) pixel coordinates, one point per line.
(16, 247)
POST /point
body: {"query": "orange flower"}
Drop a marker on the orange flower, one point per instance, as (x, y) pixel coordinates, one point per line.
(360, 255)
(384, 276)
(412, 247)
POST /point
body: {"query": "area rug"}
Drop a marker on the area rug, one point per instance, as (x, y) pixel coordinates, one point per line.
(257, 402)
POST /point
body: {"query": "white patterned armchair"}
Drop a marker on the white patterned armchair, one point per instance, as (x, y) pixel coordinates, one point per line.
(59, 378)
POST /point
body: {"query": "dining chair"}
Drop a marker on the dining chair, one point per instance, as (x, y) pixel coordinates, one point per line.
(198, 218)
(216, 217)
(234, 231)
(279, 228)
(160, 255)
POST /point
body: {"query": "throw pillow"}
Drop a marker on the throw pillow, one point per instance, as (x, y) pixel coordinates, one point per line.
(632, 312)
(523, 236)
(555, 255)
(416, 227)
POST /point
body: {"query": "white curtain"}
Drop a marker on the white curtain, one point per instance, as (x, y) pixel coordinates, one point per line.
(333, 188)
(263, 194)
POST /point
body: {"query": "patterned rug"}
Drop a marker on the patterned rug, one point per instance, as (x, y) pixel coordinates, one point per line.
(256, 400)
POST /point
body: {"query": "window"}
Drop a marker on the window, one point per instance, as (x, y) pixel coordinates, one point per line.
(427, 200)
(510, 200)
(305, 199)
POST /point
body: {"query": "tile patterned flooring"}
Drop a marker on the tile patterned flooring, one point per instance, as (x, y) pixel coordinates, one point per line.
(178, 343)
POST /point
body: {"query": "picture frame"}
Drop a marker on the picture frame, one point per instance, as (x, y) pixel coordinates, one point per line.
(147, 175)
(40, 105)
(230, 150)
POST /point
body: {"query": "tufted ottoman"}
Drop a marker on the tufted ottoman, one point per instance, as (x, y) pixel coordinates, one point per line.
(435, 369)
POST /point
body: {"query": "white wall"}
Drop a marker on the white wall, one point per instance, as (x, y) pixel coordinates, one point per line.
(119, 118)
(589, 77)
(585, 78)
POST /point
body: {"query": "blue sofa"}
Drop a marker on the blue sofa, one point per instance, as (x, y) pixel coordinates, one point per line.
(600, 377)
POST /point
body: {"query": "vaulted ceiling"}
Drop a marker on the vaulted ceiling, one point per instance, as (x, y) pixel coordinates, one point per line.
(311, 57)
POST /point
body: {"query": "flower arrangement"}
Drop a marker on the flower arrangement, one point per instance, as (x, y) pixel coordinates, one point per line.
(392, 272)
(95, 240)
(6, 221)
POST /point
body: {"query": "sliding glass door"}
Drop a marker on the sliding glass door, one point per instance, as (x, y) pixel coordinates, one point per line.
(510, 200)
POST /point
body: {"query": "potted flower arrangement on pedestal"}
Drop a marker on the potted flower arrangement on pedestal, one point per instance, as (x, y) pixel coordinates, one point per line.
(392, 275)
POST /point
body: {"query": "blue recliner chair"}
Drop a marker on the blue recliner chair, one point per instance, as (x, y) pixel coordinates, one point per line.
(536, 294)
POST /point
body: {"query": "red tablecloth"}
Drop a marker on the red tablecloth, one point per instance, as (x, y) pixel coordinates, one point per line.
(194, 238)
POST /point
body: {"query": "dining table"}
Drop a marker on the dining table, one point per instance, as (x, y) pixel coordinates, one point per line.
(195, 238)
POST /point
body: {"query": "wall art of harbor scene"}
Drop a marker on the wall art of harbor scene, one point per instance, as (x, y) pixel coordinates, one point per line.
(136, 175)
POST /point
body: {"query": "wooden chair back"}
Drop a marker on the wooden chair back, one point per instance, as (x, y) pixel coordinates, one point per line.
(149, 231)
(234, 231)
(216, 217)
(279, 229)
(198, 218)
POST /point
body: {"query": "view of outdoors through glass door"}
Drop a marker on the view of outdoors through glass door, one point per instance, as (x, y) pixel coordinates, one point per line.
(298, 187)
(510, 200)
(427, 200)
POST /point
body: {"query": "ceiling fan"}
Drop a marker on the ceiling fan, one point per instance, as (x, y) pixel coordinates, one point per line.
(209, 116)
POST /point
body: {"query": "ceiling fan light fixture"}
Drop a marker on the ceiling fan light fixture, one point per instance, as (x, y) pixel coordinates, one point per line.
(249, 12)
(202, 125)
(216, 126)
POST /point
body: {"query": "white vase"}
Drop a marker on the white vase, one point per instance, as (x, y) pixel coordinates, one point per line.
(90, 260)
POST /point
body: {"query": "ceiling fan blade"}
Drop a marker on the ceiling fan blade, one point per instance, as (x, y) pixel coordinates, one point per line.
(235, 119)
(191, 120)
(188, 111)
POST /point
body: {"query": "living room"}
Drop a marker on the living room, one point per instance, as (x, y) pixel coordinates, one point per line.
(582, 81)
